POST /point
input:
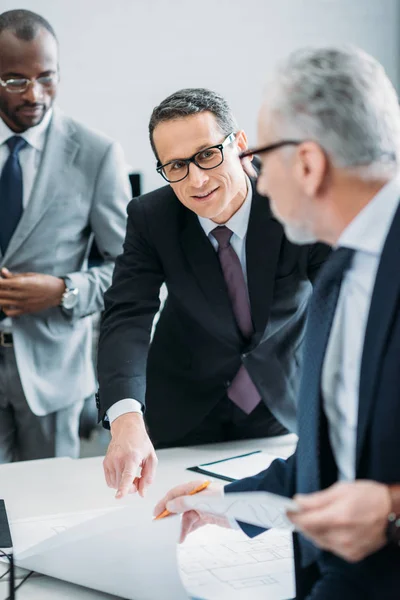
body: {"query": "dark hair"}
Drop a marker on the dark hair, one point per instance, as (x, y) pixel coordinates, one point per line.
(191, 101)
(25, 24)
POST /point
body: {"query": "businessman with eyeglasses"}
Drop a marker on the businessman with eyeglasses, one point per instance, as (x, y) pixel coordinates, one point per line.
(60, 184)
(224, 360)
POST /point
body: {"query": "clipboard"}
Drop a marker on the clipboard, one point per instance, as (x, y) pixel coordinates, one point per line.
(203, 470)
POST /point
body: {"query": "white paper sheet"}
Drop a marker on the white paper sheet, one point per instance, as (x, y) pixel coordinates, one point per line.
(27, 533)
(257, 508)
(221, 564)
(123, 552)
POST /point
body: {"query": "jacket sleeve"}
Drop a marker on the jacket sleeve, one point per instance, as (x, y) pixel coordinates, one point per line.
(107, 221)
(131, 303)
(279, 478)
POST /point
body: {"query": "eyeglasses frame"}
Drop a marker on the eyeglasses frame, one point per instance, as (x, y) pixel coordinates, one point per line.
(269, 148)
(228, 140)
(29, 82)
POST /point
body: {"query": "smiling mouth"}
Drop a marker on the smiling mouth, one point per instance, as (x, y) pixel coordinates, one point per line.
(205, 196)
(31, 110)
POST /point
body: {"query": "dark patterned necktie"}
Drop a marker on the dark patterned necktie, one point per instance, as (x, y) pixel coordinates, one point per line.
(11, 192)
(316, 467)
(242, 390)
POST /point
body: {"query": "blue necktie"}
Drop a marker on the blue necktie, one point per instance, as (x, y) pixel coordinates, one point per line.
(11, 192)
(315, 464)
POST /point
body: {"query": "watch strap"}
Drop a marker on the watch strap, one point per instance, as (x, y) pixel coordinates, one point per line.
(393, 526)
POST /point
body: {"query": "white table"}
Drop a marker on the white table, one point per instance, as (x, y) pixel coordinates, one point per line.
(35, 488)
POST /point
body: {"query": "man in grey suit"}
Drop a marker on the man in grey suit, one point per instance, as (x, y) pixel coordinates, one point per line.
(60, 185)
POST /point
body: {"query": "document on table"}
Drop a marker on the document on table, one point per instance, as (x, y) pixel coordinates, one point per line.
(237, 467)
(121, 552)
(256, 508)
(124, 552)
(222, 564)
(29, 532)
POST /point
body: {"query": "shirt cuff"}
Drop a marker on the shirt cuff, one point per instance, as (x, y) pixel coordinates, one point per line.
(122, 407)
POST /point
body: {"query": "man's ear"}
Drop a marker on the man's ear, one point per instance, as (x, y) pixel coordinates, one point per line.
(241, 141)
(311, 167)
(251, 166)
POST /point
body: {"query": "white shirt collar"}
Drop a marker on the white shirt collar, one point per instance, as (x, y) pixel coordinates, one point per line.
(35, 136)
(367, 232)
(238, 223)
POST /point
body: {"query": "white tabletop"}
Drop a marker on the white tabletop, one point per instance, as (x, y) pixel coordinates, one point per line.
(35, 488)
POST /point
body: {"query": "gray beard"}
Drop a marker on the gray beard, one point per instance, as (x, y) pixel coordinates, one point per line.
(299, 235)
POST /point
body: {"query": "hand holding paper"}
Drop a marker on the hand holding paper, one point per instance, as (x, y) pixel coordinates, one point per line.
(203, 486)
(175, 502)
(212, 506)
(256, 508)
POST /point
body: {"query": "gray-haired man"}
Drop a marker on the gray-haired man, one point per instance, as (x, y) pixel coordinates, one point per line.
(224, 360)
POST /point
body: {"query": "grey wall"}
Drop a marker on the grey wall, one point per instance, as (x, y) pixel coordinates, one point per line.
(121, 57)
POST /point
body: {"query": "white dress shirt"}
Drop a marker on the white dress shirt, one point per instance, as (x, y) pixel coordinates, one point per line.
(238, 223)
(30, 156)
(366, 234)
(29, 159)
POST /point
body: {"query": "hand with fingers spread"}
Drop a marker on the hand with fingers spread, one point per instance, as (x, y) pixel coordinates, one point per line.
(25, 293)
(130, 449)
(348, 518)
(174, 501)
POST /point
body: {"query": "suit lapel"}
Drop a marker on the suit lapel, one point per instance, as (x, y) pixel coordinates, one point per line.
(263, 243)
(384, 304)
(204, 263)
(58, 154)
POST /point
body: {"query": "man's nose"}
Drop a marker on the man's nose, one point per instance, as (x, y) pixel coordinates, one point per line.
(33, 93)
(197, 176)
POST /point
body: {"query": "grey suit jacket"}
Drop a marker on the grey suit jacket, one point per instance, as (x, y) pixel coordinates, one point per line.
(81, 190)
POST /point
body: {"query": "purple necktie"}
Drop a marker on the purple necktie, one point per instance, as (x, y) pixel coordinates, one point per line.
(242, 390)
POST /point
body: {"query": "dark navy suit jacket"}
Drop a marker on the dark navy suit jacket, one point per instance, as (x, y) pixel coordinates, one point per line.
(378, 434)
(197, 348)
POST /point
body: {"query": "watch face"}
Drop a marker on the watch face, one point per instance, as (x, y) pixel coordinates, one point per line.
(70, 298)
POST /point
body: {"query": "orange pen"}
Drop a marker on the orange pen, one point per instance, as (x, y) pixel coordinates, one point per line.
(200, 488)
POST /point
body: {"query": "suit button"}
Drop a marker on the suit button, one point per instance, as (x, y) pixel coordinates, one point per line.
(227, 383)
(245, 355)
(97, 401)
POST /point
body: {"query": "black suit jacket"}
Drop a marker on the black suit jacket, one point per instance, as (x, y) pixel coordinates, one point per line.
(378, 432)
(197, 347)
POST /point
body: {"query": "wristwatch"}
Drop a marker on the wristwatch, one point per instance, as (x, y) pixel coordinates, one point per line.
(69, 298)
(393, 525)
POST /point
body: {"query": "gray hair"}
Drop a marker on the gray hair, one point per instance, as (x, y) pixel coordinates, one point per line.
(192, 101)
(342, 99)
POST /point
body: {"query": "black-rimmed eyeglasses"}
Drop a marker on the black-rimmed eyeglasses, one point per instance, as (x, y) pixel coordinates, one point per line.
(209, 158)
(270, 147)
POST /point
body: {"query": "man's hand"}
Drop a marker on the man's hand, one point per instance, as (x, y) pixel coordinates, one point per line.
(174, 501)
(348, 518)
(24, 293)
(129, 449)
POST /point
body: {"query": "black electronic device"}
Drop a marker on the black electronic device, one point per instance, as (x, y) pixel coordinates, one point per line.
(6, 548)
(5, 533)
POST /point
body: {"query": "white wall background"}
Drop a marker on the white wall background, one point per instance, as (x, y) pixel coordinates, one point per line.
(119, 58)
